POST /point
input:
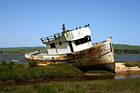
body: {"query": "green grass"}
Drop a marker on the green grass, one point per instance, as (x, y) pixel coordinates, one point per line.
(132, 64)
(95, 86)
(24, 72)
(124, 46)
(99, 71)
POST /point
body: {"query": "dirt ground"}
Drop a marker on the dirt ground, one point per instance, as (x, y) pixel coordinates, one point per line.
(120, 68)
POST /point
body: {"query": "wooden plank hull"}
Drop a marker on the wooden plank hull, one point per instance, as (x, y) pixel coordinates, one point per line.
(100, 56)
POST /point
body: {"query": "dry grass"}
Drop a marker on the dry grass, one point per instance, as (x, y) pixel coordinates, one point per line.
(95, 86)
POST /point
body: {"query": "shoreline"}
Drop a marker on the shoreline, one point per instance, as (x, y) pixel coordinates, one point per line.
(120, 68)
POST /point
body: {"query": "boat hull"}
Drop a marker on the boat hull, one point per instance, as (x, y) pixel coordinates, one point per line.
(98, 57)
(107, 66)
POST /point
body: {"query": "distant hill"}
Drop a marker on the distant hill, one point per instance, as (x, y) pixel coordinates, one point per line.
(123, 46)
(126, 49)
(118, 49)
(20, 50)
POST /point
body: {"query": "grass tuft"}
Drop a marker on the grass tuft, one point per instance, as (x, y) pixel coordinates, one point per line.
(99, 71)
(44, 88)
(132, 64)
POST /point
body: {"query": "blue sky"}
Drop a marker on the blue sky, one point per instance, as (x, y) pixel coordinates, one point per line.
(24, 22)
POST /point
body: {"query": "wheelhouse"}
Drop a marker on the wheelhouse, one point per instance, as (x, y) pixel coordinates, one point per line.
(68, 41)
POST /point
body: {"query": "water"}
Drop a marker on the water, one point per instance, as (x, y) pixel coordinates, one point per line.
(103, 77)
(20, 58)
(127, 76)
(17, 58)
(127, 57)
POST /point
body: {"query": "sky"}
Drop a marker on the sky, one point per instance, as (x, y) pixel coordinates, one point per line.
(24, 22)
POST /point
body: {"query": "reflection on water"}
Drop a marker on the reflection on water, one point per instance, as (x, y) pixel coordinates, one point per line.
(129, 76)
(103, 77)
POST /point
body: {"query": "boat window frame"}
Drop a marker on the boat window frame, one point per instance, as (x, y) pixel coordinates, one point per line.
(52, 45)
(111, 47)
(88, 38)
(60, 43)
(82, 40)
(77, 42)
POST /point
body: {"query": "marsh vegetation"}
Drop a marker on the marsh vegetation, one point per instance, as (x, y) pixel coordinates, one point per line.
(95, 86)
(24, 72)
(130, 63)
(11, 72)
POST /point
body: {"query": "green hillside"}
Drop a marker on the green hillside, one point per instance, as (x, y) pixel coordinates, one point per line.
(123, 46)
(126, 49)
(20, 50)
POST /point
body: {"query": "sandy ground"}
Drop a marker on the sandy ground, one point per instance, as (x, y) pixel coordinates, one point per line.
(120, 68)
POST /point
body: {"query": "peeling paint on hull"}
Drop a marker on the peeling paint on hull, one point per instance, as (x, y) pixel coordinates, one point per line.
(100, 56)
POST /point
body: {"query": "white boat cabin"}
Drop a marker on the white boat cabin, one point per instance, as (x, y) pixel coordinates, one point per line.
(68, 41)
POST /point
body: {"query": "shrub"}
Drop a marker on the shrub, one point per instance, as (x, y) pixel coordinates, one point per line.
(131, 64)
(44, 88)
(18, 77)
(6, 88)
(4, 62)
(65, 70)
(59, 87)
(3, 77)
(32, 64)
(11, 63)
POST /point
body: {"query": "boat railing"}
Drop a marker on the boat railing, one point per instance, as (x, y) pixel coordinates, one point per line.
(51, 38)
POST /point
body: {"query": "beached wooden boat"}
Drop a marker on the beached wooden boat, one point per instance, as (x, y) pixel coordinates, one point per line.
(75, 47)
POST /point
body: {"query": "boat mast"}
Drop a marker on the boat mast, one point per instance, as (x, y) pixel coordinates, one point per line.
(64, 29)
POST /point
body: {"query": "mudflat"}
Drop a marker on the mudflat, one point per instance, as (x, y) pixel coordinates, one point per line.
(120, 68)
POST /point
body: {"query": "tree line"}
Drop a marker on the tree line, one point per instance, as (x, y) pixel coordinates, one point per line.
(126, 51)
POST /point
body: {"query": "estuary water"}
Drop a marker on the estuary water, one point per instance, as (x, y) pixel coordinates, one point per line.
(127, 57)
(20, 58)
(17, 58)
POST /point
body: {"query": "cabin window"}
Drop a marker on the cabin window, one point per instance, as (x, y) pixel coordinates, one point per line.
(82, 40)
(52, 45)
(60, 43)
(110, 47)
(88, 38)
(77, 42)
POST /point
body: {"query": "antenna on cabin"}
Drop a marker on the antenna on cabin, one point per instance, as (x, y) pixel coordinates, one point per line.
(88, 25)
(64, 29)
